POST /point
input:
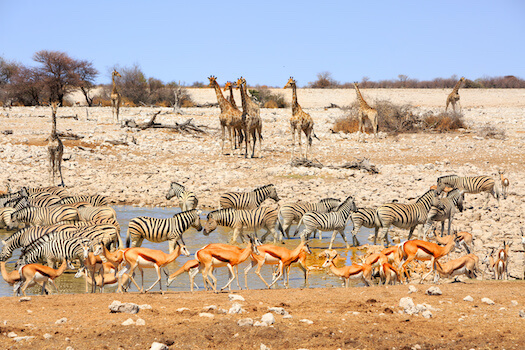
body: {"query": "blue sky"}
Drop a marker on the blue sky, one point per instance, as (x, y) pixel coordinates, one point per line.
(266, 42)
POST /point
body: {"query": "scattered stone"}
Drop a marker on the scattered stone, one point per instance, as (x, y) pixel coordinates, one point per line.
(210, 308)
(260, 324)
(62, 320)
(128, 322)
(406, 303)
(48, 336)
(158, 346)
(28, 337)
(69, 347)
(416, 347)
(426, 314)
(129, 308)
(264, 347)
(468, 298)
(12, 335)
(145, 307)
(487, 301)
(235, 297)
(514, 303)
(140, 322)
(182, 309)
(278, 310)
(412, 289)
(222, 311)
(522, 313)
(236, 309)
(287, 316)
(434, 291)
(24, 299)
(245, 322)
(206, 314)
(307, 321)
(269, 318)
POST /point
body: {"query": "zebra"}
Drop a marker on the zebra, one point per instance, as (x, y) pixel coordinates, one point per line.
(13, 197)
(262, 217)
(96, 213)
(470, 184)
(366, 217)
(187, 199)
(40, 200)
(57, 250)
(331, 221)
(294, 212)
(56, 190)
(5, 218)
(443, 209)
(27, 235)
(95, 200)
(44, 216)
(248, 200)
(160, 230)
(406, 216)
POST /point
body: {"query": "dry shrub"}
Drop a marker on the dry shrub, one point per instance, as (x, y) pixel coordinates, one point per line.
(100, 101)
(187, 103)
(350, 124)
(396, 118)
(443, 122)
(126, 102)
(490, 132)
(271, 104)
(264, 95)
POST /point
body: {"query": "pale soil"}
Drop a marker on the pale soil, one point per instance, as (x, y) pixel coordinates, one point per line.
(140, 173)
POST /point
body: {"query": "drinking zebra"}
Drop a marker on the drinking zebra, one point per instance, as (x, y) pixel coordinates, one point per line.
(95, 200)
(406, 216)
(160, 230)
(366, 217)
(291, 213)
(40, 200)
(332, 221)
(57, 250)
(248, 200)
(254, 219)
(470, 184)
(56, 190)
(44, 216)
(187, 199)
(7, 199)
(443, 209)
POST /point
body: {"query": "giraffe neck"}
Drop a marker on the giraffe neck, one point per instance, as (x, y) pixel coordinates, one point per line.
(54, 123)
(223, 103)
(243, 100)
(114, 90)
(232, 100)
(295, 104)
(362, 102)
(456, 87)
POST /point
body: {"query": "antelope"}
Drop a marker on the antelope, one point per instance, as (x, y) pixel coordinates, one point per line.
(504, 184)
(465, 265)
(354, 271)
(223, 246)
(392, 254)
(149, 258)
(12, 278)
(192, 267)
(281, 256)
(389, 274)
(108, 277)
(423, 250)
(93, 264)
(41, 274)
(462, 238)
(499, 265)
(212, 257)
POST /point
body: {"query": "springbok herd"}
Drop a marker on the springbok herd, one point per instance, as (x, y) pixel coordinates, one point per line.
(57, 228)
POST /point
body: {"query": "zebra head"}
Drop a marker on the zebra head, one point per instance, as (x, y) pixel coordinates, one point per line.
(211, 223)
(272, 193)
(175, 190)
(197, 221)
(443, 181)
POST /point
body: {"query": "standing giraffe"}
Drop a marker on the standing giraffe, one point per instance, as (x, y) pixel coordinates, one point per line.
(253, 110)
(229, 87)
(453, 97)
(55, 148)
(115, 96)
(365, 111)
(300, 121)
(230, 118)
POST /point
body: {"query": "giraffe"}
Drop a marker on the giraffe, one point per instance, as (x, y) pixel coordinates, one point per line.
(453, 97)
(365, 111)
(230, 118)
(55, 148)
(229, 86)
(253, 110)
(115, 96)
(300, 121)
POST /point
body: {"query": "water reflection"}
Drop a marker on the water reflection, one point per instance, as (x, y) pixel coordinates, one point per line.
(195, 240)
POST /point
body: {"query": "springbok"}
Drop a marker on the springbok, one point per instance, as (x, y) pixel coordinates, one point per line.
(41, 274)
(465, 265)
(354, 271)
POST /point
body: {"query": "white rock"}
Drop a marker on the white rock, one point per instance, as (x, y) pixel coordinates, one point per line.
(245, 322)
(206, 314)
(287, 316)
(62, 320)
(12, 335)
(269, 318)
(514, 303)
(307, 321)
(260, 324)
(182, 309)
(140, 322)
(128, 322)
(426, 314)
(406, 303)
(468, 298)
(416, 347)
(412, 289)
(23, 338)
(487, 301)
(210, 307)
(145, 307)
(236, 309)
(48, 336)
(24, 299)
(235, 297)
(158, 346)
(522, 313)
(278, 310)
(434, 291)
(264, 347)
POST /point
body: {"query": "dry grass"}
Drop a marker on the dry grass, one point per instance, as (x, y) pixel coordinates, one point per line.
(490, 132)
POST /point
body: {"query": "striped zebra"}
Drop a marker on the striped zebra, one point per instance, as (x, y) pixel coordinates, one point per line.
(12, 197)
(45, 216)
(57, 250)
(248, 200)
(96, 213)
(5, 218)
(160, 230)
(291, 213)
(332, 221)
(56, 190)
(187, 199)
(407, 216)
(444, 209)
(95, 200)
(39, 200)
(366, 217)
(470, 184)
(262, 217)
(26, 236)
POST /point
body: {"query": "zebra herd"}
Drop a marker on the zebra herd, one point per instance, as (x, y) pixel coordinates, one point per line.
(59, 226)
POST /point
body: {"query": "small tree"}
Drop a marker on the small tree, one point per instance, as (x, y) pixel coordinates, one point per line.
(26, 87)
(133, 84)
(87, 74)
(324, 80)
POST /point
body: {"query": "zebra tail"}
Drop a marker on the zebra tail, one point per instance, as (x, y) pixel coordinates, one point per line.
(297, 228)
(128, 239)
(280, 226)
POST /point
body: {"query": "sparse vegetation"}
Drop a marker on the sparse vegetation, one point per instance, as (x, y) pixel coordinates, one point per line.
(267, 99)
(490, 132)
(400, 119)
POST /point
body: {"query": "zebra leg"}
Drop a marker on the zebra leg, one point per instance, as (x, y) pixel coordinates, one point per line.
(355, 231)
(411, 232)
(385, 236)
(443, 227)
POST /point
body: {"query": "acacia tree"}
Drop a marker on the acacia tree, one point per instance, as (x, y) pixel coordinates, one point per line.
(87, 74)
(26, 87)
(324, 80)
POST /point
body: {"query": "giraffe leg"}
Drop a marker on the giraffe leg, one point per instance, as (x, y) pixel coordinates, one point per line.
(299, 141)
(293, 141)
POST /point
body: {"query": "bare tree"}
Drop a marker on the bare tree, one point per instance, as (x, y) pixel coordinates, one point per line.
(26, 87)
(324, 80)
(133, 84)
(87, 74)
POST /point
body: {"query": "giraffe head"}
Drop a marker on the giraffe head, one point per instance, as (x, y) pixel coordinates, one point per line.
(462, 79)
(116, 74)
(228, 85)
(291, 83)
(240, 81)
(213, 80)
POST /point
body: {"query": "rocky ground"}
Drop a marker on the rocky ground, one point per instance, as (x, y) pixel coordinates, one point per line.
(139, 170)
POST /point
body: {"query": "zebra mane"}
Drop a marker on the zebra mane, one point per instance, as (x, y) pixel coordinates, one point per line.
(426, 195)
(263, 187)
(329, 199)
(217, 211)
(184, 212)
(178, 184)
(446, 177)
(349, 198)
(453, 192)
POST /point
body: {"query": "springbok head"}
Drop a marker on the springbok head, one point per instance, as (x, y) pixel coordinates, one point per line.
(330, 256)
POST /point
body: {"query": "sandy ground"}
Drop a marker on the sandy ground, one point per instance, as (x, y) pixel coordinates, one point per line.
(139, 172)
